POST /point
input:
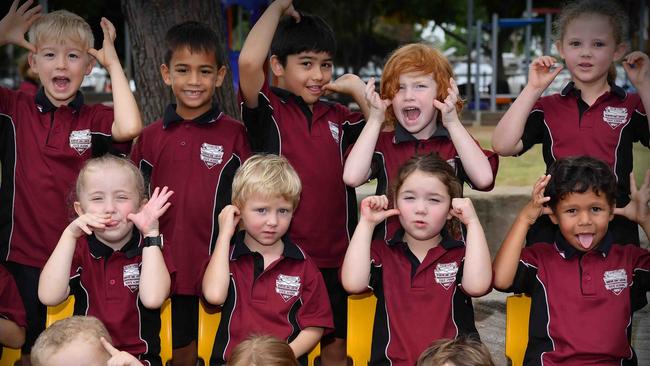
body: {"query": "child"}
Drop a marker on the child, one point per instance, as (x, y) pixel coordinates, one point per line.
(114, 273)
(422, 277)
(292, 121)
(194, 140)
(591, 116)
(49, 136)
(12, 312)
(262, 351)
(417, 91)
(78, 340)
(456, 352)
(264, 282)
(584, 288)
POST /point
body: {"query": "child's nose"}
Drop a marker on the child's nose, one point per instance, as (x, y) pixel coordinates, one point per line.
(272, 220)
(317, 74)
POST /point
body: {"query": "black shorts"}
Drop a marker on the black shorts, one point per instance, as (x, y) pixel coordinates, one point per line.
(185, 320)
(26, 278)
(339, 301)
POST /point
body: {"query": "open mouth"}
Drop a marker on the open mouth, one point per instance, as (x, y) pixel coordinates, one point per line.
(585, 240)
(61, 82)
(314, 89)
(411, 113)
(193, 93)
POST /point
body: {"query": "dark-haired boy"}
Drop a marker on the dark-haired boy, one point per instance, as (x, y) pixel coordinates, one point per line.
(194, 150)
(585, 287)
(291, 120)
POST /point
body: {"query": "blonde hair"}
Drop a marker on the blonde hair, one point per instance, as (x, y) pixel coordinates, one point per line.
(61, 26)
(63, 332)
(459, 352)
(419, 58)
(262, 350)
(102, 162)
(268, 176)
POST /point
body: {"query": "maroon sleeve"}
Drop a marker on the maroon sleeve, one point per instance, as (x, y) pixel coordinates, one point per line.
(316, 310)
(8, 99)
(11, 304)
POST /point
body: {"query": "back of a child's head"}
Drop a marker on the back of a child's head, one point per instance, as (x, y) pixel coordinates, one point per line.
(456, 352)
(196, 36)
(421, 59)
(267, 176)
(60, 334)
(262, 350)
(431, 164)
(61, 26)
(108, 160)
(311, 34)
(579, 175)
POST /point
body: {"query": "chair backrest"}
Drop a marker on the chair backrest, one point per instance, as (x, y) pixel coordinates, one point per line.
(9, 356)
(361, 317)
(61, 311)
(517, 317)
(209, 318)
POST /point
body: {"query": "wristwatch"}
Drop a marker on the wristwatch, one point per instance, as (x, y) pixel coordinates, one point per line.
(153, 241)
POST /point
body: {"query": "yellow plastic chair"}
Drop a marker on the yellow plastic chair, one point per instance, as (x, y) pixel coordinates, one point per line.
(361, 317)
(9, 356)
(517, 317)
(209, 318)
(61, 311)
(313, 355)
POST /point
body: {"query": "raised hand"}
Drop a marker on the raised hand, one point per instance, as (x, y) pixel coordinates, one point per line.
(106, 56)
(535, 208)
(344, 84)
(17, 22)
(448, 106)
(228, 220)
(87, 223)
(542, 71)
(637, 67)
(377, 105)
(374, 209)
(463, 209)
(146, 220)
(287, 8)
(118, 358)
(637, 210)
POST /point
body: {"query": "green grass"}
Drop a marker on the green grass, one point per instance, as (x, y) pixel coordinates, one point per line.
(524, 170)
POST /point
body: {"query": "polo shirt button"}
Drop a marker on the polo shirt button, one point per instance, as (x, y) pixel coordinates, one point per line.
(183, 143)
(588, 277)
(112, 282)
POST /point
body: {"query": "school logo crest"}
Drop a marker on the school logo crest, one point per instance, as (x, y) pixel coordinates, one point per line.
(615, 281)
(614, 116)
(80, 140)
(445, 274)
(287, 286)
(334, 129)
(211, 155)
(131, 276)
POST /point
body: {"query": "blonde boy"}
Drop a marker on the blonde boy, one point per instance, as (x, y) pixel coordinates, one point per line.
(49, 136)
(265, 283)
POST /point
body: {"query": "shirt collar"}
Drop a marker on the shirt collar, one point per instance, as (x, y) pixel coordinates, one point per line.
(130, 249)
(402, 135)
(44, 105)
(570, 89)
(447, 242)
(240, 248)
(170, 116)
(567, 251)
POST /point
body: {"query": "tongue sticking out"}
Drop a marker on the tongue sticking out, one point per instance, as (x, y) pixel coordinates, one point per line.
(412, 113)
(586, 240)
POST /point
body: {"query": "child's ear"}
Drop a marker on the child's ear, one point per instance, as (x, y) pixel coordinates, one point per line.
(164, 72)
(276, 66)
(32, 61)
(78, 209)
(221, 74)
(558, 45)
(620, 51)
(91, 64)
(553, 218)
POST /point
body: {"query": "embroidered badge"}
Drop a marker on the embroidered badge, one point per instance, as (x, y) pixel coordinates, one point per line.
(211, 154)
(446, 274)
(287, 286)
(615, 117)
(615, 281)
(131, 276)
(80, 140)
(334, 129)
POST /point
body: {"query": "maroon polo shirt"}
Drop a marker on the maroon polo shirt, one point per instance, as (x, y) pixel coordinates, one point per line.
(197, 160)
(281, 300)
(105, 284)
(417, 303)
(11, 304)
(566, 125)
(313, 141)
(582, 303)
(42, 149)
(394, 148)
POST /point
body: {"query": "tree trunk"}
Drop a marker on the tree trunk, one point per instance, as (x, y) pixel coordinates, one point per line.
(148, 21)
